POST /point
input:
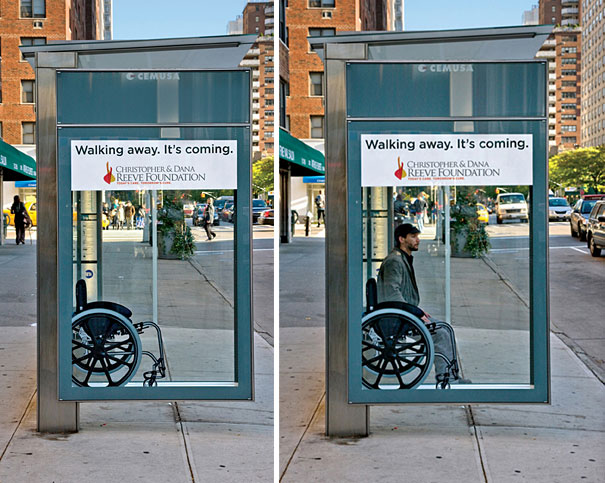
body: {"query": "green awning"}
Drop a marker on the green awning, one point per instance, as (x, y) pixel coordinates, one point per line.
(300, 154)
(17, 166)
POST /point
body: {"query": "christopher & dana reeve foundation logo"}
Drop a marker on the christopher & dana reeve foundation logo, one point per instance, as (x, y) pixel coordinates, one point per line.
(400, 173)
(109, 177)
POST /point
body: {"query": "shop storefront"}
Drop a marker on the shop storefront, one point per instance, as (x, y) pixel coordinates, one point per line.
(301, 170)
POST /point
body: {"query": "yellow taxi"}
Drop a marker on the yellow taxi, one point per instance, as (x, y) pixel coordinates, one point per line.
(30, 206)
(482, 214)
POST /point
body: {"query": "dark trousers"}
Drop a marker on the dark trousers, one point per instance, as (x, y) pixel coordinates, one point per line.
(321, 213)
(20, 229)
(209, 232)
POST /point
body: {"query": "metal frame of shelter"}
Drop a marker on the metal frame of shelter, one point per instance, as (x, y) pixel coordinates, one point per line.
(347, 408)
(58, 409)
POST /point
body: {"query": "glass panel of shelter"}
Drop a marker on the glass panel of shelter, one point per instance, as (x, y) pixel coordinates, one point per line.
(485, 298)
(147, 251)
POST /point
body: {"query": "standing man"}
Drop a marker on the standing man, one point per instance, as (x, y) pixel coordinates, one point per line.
(209, 219)
(420, 206)
(321, 207)
(397, 283)
(129, 215)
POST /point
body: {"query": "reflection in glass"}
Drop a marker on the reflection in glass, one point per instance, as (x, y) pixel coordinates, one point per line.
(162, 294)
(479, 285)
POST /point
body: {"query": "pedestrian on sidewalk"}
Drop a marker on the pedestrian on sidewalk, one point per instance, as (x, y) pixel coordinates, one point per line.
(397, 283)
(209, 219)
(420, 208)
(129, 215)
(321, 207)
(22, 219)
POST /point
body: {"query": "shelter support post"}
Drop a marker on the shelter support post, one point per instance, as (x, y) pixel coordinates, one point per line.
(54, 416)
(342, 418)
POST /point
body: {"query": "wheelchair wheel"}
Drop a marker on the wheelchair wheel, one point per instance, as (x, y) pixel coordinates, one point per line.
(397, 350)
(106, 348)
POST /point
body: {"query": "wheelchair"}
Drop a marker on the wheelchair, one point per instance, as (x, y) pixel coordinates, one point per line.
(106, 347)
(397, 346)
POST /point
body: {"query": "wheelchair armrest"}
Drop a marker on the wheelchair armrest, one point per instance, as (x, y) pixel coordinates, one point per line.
(412, 309)
(102, 304)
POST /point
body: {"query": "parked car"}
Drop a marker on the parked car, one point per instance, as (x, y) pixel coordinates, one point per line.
(30, 206)
(511, 206)
(578, 221)
(558, 209)
(595, 233)
(221, 201)
(266, 218)
(188, 209)
(258, 206)
(482, 214)
(228, 212)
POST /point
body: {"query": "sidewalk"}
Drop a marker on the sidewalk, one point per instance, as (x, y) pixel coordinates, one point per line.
(561, 442)
(187, 441)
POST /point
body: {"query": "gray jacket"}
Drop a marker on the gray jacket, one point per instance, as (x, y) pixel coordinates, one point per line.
(395, 280)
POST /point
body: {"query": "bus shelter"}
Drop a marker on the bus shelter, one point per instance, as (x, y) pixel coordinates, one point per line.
(433, 129)
(133, 140)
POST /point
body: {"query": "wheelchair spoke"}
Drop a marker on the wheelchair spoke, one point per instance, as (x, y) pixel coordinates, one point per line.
(87, 356)
(107, 373)
(121, 361)
(85, 382)
(82, 345)
(410, 362)
(372, 360)
(371, 346)
(118, 345)
(381, 372)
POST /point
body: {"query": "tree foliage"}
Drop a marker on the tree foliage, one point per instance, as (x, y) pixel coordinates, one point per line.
(262, 175)
(584, 167)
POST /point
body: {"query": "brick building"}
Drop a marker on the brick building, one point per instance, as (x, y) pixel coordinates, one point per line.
(593, 73)
(563, 50)
(305, 109)
(259, 18)
(29, 22)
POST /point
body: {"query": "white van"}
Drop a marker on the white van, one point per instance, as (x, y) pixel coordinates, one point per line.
(511, 206)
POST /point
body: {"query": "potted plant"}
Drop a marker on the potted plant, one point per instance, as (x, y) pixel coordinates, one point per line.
(175, 240)
(469, 237)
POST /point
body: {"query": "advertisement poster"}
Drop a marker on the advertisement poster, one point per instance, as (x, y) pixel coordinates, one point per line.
(446, 159)
(139, 165)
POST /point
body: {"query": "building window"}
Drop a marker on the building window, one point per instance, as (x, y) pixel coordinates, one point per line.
(322, 3)
(316, 83)
(284, 91)
(568, 84)
(570, 117)
(256, 30)
(569, 38)
(570, 60)
(28, 130)
(33, 8)
(269, 70)
(568, 140)
(27, 41)
(268, 134)
(268, 102)
(27, 91)
(256, 19)
(568, 72)
(317, 127)
(568, 95)
(566, 128)
(0, 130)
(315, 32)
(269, 113)
(554, 9)
(269, 79)
(569, 50)
(268, 59)
(268, 91)
(269, 146)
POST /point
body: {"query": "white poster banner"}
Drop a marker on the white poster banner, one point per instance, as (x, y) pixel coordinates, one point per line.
(149, 165)
(446, 159)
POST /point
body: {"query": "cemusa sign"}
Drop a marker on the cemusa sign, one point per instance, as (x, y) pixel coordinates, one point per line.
(446, 159)
(136, 165)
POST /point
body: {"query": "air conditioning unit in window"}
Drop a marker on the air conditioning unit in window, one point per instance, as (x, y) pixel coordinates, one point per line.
(326, 14)
(38, 24)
